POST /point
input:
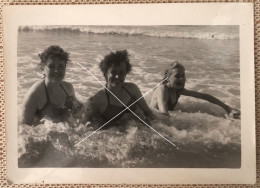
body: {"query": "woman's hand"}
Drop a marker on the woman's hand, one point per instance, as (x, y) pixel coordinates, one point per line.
(166, 114)
(234, 113)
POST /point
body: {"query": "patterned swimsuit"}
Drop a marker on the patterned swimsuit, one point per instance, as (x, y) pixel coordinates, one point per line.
(54, 112)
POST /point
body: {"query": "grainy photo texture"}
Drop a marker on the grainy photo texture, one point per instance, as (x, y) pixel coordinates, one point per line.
(75, 82)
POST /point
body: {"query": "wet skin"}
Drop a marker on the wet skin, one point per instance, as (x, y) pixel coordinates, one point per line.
(115, 78)
(176, 83)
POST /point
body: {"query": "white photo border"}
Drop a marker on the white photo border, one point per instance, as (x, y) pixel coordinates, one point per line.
(135, 14)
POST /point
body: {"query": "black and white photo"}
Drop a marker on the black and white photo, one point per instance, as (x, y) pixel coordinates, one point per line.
(155, 96)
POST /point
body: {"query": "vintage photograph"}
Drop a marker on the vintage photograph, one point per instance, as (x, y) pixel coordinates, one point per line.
(161, 96)
(130, 94)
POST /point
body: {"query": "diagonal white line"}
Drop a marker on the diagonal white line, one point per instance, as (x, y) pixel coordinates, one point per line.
(120, 112)
(127, 107)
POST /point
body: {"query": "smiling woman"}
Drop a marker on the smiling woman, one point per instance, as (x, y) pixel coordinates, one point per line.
(111, 102)
(51, 97)
(166, 96)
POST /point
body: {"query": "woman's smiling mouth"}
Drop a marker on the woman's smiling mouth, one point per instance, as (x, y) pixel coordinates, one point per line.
(57, 75)
(116, 81)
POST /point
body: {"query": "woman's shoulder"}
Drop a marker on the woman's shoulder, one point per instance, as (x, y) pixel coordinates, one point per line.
(37, 88)
(160, 88)
(35, 93)
(130, 86)
(68, 87)
(99, 97)
(66, 84)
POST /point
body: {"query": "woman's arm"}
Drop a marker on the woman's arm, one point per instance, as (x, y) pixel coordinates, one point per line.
(211, 99)
(90, 109)
(29, 107)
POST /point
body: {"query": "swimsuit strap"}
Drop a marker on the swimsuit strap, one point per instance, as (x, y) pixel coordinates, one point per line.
(41, 111)
(169, 92)
(113, 110)
(128, 92)
(46, 91)
(169, 102)
(69, 100)
(107, 94)
(67, 95)
(171, 105)
(54, 112)
(108, 99)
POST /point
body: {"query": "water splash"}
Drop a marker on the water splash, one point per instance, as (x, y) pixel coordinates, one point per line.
(132, 144)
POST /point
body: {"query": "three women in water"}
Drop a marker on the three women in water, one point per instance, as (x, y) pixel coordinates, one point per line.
(55, 99)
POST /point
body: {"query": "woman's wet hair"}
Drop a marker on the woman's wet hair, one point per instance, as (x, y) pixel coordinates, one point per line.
(115, 58)
(168, 72)
(51, 52)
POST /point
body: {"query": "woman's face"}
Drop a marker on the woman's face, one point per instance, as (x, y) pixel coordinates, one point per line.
(116, 75)
(55, 69)
(177, 79)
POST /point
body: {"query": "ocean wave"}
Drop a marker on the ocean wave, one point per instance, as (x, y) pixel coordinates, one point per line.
(151, 31)
(202, 141)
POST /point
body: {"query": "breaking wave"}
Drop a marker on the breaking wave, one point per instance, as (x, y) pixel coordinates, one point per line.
(202, 140)
(149, 31)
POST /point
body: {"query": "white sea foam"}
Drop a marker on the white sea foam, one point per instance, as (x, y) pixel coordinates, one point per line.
(129, 144)
(137, 31)
(198, 128)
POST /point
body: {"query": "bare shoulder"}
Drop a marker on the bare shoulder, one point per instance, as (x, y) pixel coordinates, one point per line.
(131, 86)
(37, 85)
(160, 89)
(68, 87)
(67, 84)
(132, 89)
(98, 98)
(36, 94)
(37, 88)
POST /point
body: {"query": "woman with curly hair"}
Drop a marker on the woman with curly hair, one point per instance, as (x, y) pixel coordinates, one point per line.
(50, 97)
(105, 103)
(166, 96)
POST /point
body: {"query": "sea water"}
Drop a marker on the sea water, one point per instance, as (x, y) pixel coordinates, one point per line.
(202, 136)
